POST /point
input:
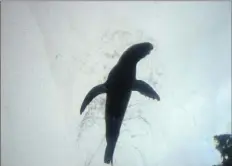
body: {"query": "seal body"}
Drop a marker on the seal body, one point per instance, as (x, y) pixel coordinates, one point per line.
(120, 83)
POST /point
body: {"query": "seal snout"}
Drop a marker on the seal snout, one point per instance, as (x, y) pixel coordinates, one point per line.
(151, 47)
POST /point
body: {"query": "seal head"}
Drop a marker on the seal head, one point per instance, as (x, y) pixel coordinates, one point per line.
(136, 52)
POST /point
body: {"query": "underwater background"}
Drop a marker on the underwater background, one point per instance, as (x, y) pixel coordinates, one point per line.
(53, 53)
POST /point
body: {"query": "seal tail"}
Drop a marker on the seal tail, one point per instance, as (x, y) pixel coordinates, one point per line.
(108, 158)
(112, 132)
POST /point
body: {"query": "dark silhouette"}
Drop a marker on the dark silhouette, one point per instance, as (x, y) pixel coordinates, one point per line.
(224, 146)
(120, 83)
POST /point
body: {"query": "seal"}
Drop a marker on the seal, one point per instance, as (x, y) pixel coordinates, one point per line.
(120, 82)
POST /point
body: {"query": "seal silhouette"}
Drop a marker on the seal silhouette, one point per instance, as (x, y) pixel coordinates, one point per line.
(120, 83)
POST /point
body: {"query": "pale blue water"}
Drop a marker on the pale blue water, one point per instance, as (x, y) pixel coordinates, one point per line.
(53, 53)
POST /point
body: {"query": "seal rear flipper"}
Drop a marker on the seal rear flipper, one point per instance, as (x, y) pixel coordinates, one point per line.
(145, 89)
(109, 151)
(95, 91)
(112, 133)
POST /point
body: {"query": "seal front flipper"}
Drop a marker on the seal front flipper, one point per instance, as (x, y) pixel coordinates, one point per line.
(97, 90)
(145, 89)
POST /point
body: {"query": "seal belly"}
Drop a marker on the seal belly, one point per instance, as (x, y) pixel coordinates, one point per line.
(117, 101)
